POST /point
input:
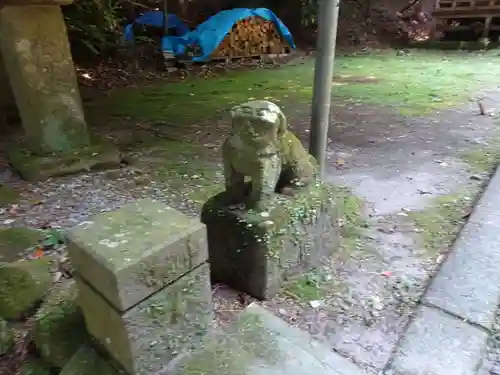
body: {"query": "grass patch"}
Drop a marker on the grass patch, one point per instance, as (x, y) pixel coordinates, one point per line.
(416, 83)
(440, 223)
(482, 160)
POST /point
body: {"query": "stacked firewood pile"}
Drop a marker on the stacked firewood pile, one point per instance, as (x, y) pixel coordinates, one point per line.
(252, 36)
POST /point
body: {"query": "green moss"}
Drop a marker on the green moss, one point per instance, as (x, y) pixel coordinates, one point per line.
(8, 195)
(288, 219)
(22, 285)
(439, 224)
(33, 167)
(13, 241)
(351, 216)
(6, 336)
(482, 160)
(235, 350)
(185, 168)
(309, 287)
(86, 361)
(34, 367)
(59, 328)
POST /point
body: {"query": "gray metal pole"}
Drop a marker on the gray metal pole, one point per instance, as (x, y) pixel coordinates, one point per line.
(328, 14)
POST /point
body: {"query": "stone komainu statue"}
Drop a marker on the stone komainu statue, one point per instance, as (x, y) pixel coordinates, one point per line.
(262, 148)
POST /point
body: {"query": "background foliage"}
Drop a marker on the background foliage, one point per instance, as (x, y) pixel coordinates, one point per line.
(95, 27)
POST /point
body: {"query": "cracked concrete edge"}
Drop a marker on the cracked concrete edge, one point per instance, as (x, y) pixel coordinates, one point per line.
(449, 331)
(466, 285)
(438, 343)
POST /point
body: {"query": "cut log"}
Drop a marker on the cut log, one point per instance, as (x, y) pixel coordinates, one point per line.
(251, 36)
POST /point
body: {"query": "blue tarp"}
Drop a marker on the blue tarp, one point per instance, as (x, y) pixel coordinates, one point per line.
(211, 33)
(155, 18)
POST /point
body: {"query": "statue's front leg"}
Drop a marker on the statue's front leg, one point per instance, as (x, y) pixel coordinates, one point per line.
(264, 182)
(235, 184)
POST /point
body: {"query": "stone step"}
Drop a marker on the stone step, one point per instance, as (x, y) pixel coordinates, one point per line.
(260, 343)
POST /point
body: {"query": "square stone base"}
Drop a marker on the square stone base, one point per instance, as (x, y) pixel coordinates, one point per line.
(152, 333)
(32, 167)
(255, 252)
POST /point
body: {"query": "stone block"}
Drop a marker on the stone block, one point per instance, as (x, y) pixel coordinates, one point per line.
(259, 343)
(439, 344)
(152, 333)
(467, 285)
(34, 167)
(130, 253)
(254, 252)
(42, 75)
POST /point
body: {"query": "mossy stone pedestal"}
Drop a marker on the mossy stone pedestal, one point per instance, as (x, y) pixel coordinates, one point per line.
(144, 284)
(254, 252)
(22, 285)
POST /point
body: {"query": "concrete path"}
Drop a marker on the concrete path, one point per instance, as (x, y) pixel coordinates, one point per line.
(260, 343)
(449, 333)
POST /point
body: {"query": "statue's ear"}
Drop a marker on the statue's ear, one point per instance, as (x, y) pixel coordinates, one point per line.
(282, 124)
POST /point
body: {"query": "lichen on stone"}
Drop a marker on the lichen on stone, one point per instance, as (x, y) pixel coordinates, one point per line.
(22, 285)
(59, 325)
(34, 367)
(261, 148)
(234, 350)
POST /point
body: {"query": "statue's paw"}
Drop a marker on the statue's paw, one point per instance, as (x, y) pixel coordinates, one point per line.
(288, 191)
(261, 204)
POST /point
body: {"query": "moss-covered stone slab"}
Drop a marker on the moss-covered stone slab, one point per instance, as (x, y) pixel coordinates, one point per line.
(87, 361)
(59, 328)
(6, 336)
(34, 367)
(259, 343)
(36, 2)
(130, 253)
(37, 58)
(37, 167)
(254, 252)
(149, 335)
(22, 285)
(15, 241)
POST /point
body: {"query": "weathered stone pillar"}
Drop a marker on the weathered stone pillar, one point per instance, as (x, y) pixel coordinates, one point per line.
(144, 284)
(38, 61)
